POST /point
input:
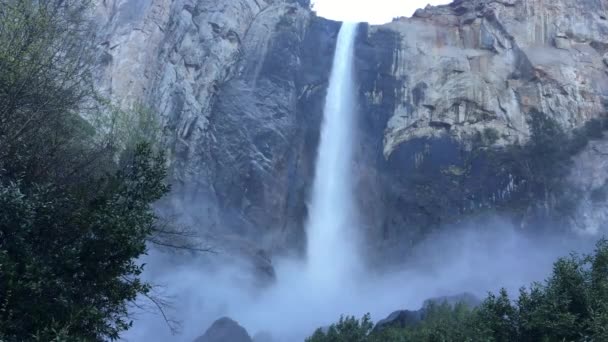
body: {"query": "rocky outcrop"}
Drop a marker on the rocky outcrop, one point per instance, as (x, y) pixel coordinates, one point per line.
(225, 78)
(476, 65)
(465, 83)
(400, 319)
(450, 99)
(406, 318)
(225, 330)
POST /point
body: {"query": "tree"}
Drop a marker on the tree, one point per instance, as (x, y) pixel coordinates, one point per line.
(45, 61)
(68, 255)
(76, 209)
(348, 329)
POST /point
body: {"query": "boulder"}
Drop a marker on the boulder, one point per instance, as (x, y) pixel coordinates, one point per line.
(400, 319)
(225, 330)
(407, 318)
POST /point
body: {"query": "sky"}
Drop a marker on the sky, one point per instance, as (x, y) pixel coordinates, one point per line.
(372, 11)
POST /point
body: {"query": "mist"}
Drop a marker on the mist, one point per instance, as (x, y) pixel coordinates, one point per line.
(474, 258)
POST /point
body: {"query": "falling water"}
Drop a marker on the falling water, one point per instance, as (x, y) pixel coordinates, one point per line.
(331, 225)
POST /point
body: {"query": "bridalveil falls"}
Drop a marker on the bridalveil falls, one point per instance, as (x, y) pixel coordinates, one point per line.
(331, 226)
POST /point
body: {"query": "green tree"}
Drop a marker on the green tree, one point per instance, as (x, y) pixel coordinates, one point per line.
(68, 255)
(348, 329)
(76, 208)
(45, 82)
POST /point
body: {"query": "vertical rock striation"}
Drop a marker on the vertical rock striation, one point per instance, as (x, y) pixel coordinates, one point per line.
(226, 78)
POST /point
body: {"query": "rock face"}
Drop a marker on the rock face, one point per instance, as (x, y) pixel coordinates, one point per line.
(226, 79)
(465, 83)
(239, 86)
(225, 330)
(477, 65)
(407, 318)
(400, 319)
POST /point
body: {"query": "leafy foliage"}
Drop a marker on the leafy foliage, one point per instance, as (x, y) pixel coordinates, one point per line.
(572, 305)
(75, 206)
(67, 255)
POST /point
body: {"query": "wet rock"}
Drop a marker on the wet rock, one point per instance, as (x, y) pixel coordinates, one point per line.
(225, 330)
(400, 319)
(407, 318)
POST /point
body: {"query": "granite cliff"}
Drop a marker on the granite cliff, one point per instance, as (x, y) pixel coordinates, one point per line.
(476, 106)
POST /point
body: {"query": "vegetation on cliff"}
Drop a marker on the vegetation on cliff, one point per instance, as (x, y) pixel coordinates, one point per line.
(571, 305)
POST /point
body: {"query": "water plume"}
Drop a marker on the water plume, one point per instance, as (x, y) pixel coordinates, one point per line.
(331, 227)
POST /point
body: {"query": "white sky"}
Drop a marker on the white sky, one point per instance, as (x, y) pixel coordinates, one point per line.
(372, 11)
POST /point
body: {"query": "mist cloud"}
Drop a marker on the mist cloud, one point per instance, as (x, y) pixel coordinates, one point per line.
(475, 257)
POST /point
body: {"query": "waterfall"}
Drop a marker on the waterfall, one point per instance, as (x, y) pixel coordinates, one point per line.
(331, 226)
